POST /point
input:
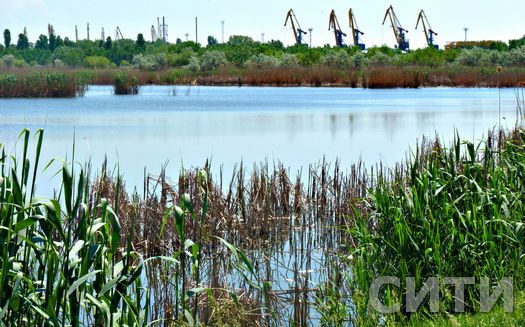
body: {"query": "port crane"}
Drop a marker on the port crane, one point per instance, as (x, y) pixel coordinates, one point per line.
(355, 30)
(429, 33)
(154, 36)
(333, 24)
(118, 34)
(296, 27)
(399, 31)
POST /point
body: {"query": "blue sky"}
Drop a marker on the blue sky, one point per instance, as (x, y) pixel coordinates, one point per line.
(501, 19)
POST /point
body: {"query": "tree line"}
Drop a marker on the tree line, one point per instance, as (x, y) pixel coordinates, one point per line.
(239, 51)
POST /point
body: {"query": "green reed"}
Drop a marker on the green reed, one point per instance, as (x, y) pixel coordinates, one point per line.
(458, 213)
(64, 262)
(124, 83)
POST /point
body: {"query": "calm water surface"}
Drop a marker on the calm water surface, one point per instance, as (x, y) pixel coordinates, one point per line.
(297, 126)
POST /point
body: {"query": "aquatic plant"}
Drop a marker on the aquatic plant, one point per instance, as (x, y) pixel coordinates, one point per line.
(457, 213)
(70, 260)
(41, 84)
(125, 84)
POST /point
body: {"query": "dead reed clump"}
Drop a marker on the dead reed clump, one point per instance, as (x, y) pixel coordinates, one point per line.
(384, 77)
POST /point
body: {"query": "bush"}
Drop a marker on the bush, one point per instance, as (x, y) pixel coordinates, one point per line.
(68, 55)
(180, 59)
(336, 59)
(144, 62)
(358, 60)
(517, 57)
(19, 63)
(288, 60)
(239, 55)
(125, 84)
(309, 57)
(7, 61)
(57, 63)
(480, 57)
(96, 62)
(379, 59)
(194, 65)
(261, 61)
(212, 60)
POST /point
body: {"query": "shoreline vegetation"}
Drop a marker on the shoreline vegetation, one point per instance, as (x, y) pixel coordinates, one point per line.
(201, 249)
(25, 82)
(241, 61)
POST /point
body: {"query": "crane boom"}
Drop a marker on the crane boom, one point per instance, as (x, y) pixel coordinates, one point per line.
(427, 29)
(333, 24)
(154, 36)
(355, 30)
(297, 30)
(118, 34)
(399, 31)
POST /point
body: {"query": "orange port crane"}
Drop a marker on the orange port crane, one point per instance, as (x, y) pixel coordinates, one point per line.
(429, 33)
(355, 30)
(296, 27)
(399, 31)
(333, 24)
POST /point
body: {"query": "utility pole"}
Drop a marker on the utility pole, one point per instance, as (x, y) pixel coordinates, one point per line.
(88, 31)
(196, 30)
(222, 23)
(103, 35)
(466, 30)
(310, 30)
(262, 37)
(76, 33)
(164, 30)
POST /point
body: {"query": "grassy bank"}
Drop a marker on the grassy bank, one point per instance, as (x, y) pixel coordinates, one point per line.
(97, 254)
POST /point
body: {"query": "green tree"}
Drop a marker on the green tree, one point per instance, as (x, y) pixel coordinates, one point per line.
(141, 43)
(52, 42)
(23, 42)
(59, 42)
(7, 38)
(212, 40)
(240, 40)
(109, 44)
(42, 42)
(70, 56)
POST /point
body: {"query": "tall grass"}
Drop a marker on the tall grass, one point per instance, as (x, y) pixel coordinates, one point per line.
(65, 261)
(458, 213)
(61, 260)
(41, 84)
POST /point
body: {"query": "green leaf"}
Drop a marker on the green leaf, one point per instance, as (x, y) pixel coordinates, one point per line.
(81, 281)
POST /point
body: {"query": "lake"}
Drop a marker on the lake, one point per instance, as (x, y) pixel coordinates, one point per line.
(297, 126)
